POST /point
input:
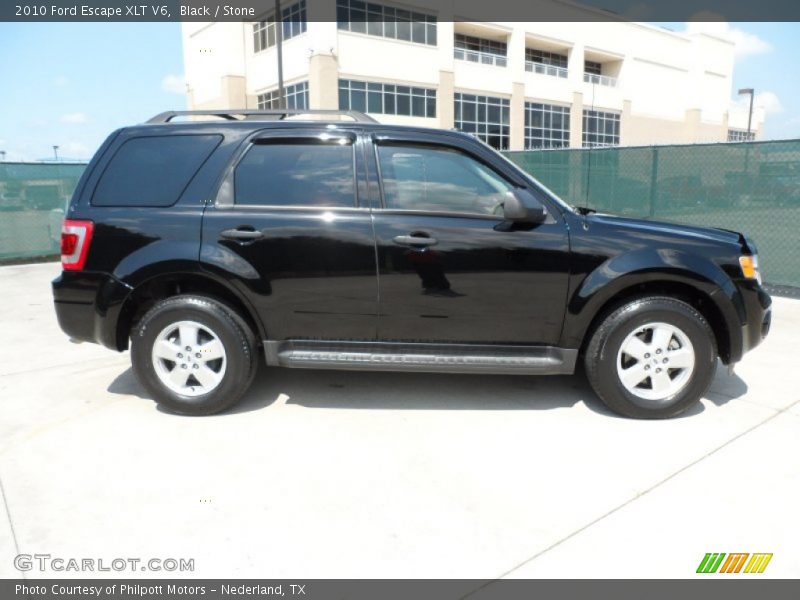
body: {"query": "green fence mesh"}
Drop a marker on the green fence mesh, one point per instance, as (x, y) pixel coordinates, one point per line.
(33, 197)
(750, 187)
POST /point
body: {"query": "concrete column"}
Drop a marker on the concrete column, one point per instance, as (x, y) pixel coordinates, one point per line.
(323, 82)
(576, 120)
(517, 117)
(445, 100)
(625, 122)
(725, 125)
(575, 66)
(516, 54)
(692, 126)
(234, 93)
(445, 37)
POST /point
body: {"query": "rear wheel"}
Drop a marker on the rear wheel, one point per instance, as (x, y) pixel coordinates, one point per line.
(653, 357)
(194, 355)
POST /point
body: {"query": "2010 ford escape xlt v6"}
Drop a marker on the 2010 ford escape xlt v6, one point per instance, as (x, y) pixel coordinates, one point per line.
(346, 244)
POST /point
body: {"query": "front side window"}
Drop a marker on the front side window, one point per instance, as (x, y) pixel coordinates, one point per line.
(296, 174)
(439, 179)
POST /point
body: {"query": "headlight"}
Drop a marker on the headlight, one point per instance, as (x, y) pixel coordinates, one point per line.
(749, 266)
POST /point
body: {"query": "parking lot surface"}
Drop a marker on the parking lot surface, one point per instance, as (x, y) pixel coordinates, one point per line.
(322, 474)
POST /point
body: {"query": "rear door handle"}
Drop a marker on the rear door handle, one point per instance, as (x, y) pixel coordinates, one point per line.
(413, 240)
(241, 234)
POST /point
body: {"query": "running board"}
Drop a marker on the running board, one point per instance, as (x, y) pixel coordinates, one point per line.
(434, 358)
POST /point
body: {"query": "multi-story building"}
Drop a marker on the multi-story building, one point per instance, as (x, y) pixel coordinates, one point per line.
(515, 85)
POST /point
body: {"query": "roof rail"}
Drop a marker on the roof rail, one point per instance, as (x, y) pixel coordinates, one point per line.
(276, 114)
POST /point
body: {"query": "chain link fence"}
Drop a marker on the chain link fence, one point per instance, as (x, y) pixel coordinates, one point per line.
(33, 198)
(751, 187)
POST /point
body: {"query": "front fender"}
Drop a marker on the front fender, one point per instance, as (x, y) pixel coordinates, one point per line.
(646, 266)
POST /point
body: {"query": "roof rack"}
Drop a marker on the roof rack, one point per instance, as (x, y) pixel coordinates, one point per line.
(276, 115)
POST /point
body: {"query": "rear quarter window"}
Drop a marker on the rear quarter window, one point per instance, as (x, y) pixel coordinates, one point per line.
(152, 170)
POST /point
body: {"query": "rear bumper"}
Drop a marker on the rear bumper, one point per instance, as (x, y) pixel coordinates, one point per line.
(88, 306)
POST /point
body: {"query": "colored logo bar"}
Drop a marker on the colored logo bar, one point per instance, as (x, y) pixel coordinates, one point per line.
(716, 562)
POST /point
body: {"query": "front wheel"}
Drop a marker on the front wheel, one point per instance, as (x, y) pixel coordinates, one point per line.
(652, 358)
(194, 355)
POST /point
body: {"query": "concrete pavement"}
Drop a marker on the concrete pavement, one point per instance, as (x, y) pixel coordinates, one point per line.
(335, 474)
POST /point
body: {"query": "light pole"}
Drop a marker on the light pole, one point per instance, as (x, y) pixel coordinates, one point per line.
(55, 151)
(751, 92)
(279, 52)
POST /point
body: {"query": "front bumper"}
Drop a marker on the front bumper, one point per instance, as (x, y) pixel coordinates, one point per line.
(758, 315)
(88, 306)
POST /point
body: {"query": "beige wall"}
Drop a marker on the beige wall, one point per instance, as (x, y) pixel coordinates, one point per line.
(517, 117)
(672, 87)
(445, 98)
(641, 130)
(323, 82)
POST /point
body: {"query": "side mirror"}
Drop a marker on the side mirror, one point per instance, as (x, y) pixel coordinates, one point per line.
(521, 206)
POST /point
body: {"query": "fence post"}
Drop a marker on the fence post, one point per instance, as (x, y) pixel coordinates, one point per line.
(653, 181)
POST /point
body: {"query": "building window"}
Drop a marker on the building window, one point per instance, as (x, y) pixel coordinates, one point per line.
(600, 129)
(592, 68)
(293, 18)
(485, 117)
(387, 98)
(737, 135)
(546, 126)
(296, 97)
(479, 50)
(546, 58)
(386, 21)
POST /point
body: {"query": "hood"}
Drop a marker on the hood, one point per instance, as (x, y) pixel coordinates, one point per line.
(664, 228)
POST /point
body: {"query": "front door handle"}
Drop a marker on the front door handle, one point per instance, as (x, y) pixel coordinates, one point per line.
(241, 234)
(413, 240)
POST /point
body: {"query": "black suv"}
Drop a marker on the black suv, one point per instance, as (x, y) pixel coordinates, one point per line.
(347, 244)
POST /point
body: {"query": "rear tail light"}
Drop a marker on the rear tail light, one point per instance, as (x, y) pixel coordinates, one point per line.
(75, 239)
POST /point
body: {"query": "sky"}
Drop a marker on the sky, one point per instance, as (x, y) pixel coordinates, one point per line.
(71, 84)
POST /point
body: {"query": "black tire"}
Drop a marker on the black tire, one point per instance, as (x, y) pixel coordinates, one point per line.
(236, 337)
(603, 350)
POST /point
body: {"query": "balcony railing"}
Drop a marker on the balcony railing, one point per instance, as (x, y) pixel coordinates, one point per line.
(543, 69)
(600, 79)
(484, 58)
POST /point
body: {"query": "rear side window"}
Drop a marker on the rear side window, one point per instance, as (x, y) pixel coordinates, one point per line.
(296, 174)
(153, 170)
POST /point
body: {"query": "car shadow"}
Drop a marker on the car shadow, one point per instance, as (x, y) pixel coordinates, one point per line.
(358, 390)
